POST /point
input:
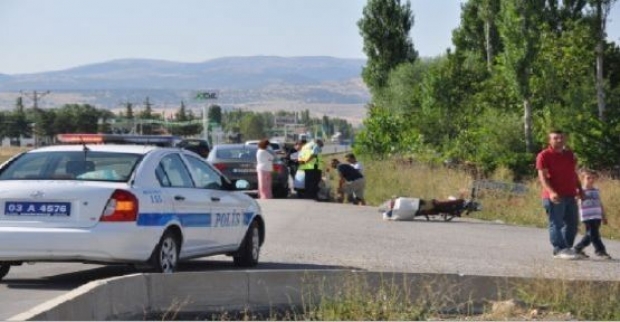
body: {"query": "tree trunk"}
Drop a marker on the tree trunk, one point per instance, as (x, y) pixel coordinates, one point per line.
(600, 93)
(489, 47)
(527, 121)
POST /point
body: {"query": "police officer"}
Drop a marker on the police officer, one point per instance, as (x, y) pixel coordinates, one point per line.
(311, 162)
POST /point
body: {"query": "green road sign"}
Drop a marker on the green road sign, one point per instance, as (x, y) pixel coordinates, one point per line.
(206, 95)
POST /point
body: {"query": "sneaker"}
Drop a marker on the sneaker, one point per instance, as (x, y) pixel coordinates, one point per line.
(581, 253)
(566, 254)
(603, 256)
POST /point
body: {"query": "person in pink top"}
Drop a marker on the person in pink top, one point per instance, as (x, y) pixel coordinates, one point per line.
(557, 173)
(264, 168)
(592, 215)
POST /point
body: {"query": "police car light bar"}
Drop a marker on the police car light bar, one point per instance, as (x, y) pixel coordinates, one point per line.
(90, 138)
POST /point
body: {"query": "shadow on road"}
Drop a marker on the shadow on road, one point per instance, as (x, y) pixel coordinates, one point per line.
(69, 281)
(211, 265)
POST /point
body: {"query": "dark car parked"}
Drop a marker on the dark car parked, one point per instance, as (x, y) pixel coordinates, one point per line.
(198, 146)
(238, 161)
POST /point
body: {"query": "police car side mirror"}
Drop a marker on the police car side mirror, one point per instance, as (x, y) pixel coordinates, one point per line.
(242, 184)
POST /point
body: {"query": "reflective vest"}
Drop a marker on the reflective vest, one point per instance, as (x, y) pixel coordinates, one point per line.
(305, 154)
(319, 162)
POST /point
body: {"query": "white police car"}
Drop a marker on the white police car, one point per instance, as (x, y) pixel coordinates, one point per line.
(137, 204)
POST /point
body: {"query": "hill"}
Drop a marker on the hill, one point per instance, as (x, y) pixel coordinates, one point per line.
(262, 82)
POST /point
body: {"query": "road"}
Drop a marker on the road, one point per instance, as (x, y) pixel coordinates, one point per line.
(306, 234)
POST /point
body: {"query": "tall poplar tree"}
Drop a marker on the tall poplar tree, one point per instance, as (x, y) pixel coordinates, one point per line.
(385, 27)
(601, 11)
(215, 114)
(520, 28)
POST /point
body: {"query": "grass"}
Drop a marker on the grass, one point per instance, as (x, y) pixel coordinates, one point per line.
(387, 179)
(7, 152)
(594, 301)
(360, 297)
(538, 299)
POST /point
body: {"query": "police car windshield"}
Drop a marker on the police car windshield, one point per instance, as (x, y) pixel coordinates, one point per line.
(72, 165)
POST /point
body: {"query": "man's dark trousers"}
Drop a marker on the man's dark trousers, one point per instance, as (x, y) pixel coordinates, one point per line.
(311, 184)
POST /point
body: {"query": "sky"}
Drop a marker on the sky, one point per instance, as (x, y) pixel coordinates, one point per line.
(46, 35)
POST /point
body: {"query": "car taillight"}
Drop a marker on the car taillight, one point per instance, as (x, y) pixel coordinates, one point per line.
(220, 166)
(122, 206)
(277, 167)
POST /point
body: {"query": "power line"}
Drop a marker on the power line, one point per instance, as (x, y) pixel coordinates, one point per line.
(35, 97)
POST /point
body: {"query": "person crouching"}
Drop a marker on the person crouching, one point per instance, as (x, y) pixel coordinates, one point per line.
(351, 182)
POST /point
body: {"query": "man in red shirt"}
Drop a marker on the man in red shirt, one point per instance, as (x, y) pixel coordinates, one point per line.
(557, 173)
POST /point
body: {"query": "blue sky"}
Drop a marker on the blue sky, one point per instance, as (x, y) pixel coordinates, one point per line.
(44, 35)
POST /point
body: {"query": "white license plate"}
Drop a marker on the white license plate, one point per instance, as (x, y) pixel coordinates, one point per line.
(56, 209)
(244, 170)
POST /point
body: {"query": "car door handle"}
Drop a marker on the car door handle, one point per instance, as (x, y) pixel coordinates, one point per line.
(215, 199)
(179, 198)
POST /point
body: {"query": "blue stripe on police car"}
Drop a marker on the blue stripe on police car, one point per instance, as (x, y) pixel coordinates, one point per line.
(196, 219)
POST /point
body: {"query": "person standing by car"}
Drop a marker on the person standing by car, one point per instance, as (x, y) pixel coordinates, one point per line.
(557, 173)
(264, 167)
(299, 176)
(293, 156)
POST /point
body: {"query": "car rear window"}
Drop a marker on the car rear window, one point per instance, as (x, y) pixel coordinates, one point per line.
(246, 153)
(72, 165)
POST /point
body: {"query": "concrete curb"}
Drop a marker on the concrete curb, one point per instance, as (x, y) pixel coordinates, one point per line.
(135, 296)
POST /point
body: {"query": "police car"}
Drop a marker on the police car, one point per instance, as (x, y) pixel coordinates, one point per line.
(122, 203)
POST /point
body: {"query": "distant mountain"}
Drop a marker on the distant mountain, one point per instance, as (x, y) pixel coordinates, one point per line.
(327, 84)
(222, 73)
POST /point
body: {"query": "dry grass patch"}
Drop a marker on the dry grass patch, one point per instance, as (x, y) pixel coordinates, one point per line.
(389, 178)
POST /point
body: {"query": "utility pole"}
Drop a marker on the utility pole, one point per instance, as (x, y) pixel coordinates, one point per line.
(35, 97)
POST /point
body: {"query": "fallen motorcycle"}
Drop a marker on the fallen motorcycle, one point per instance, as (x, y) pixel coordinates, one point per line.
(402, 208)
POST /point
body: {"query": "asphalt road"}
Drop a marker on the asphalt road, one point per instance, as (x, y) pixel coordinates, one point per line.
(305, 234)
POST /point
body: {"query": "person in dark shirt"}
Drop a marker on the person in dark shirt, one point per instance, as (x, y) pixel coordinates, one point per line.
(351, 183)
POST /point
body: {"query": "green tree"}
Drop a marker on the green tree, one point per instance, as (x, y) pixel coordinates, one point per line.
(385, 28)
(305, 118)
(403, 91)
(103, 121)
(385, 134)
(17, 124)
(520, 28)
(147, 113)
(601, 12)
(181, 125)
(215, 114)
(181, 114)
(252, 126)
(146, 127)
(84, 118)
(193, 127)
(477, 32)
(4, 121)
(129, 111)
